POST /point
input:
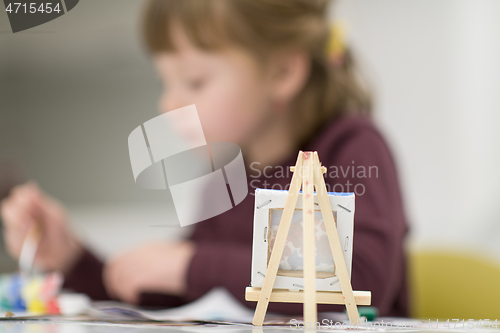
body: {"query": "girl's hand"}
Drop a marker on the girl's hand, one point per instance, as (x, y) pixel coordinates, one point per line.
(158, 267)
(27, 206)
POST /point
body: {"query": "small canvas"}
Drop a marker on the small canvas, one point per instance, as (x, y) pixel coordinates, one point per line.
(269, 205)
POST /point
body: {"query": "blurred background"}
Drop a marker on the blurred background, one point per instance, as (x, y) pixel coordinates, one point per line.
(72, 90)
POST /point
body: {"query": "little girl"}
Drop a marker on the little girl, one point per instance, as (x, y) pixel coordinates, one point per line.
(264, 75)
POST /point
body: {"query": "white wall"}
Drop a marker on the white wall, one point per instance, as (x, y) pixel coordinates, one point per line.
(435, 69)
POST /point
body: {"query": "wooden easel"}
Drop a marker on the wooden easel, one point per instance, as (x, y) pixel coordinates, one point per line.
(308, 172)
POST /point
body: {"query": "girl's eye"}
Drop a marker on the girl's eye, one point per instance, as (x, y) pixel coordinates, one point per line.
(196, 84)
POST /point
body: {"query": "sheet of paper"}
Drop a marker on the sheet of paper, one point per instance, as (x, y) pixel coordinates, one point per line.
(216, 305)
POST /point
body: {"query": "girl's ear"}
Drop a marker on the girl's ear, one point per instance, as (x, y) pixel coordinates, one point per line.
(288, 73)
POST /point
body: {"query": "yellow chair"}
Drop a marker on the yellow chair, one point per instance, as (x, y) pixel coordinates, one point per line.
(447, 285)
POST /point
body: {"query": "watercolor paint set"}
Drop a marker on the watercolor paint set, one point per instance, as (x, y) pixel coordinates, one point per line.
(34, 293)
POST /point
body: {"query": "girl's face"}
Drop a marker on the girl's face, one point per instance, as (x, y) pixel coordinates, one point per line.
(228, 88)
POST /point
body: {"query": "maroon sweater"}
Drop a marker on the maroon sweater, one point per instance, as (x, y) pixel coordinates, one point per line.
(224, 243)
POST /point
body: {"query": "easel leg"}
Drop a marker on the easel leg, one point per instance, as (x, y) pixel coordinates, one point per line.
(310, 307)
(333, 238)
(279, 244)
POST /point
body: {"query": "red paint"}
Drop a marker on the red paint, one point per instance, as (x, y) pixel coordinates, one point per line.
(309, 212)
(53, 307)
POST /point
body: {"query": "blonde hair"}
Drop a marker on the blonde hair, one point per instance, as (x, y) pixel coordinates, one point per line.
(263, 27)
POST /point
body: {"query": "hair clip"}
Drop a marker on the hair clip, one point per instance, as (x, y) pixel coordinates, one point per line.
(336, 47)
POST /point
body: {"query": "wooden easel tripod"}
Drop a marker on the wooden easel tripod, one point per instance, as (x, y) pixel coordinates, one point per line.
(307, 172)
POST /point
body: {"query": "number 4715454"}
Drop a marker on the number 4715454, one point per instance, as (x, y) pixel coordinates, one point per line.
(46, 7)
(471, 324)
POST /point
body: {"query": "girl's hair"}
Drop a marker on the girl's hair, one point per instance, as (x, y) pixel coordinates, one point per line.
(263, 27)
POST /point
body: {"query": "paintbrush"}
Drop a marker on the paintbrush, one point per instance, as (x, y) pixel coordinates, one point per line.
(28, 251)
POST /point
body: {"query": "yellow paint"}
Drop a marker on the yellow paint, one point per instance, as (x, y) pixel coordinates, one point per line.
(35, 305)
